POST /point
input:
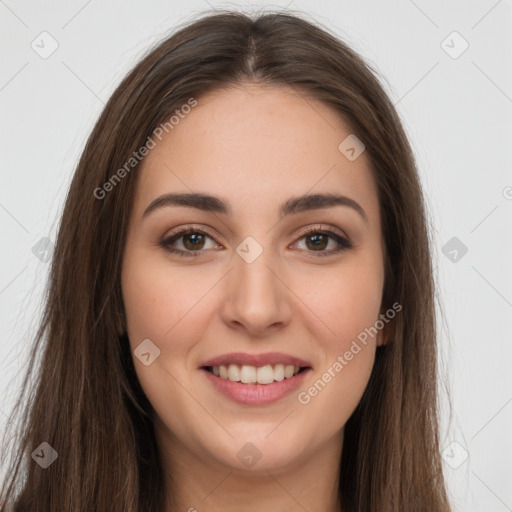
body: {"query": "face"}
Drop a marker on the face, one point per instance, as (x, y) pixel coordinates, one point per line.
(260, 279)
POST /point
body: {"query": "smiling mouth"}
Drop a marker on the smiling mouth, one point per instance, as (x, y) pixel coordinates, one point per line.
(245, 374)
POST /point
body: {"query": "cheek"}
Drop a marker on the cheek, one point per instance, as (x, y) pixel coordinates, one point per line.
(350, 309)
(359, 303)
(343, 308)
(157, 296)
(159, 300)
(343, 301)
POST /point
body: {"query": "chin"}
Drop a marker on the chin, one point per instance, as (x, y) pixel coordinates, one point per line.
(255, 451)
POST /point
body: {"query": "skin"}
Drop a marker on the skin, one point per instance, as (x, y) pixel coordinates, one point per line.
(255, 147)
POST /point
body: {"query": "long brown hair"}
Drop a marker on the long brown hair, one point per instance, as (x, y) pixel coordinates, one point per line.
(81, 394)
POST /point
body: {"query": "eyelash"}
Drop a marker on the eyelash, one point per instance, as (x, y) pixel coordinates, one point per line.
(166, 242)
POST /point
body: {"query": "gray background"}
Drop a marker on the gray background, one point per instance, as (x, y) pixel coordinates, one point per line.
(456, 110)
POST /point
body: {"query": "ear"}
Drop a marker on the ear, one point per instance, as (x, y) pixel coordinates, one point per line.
(120, 324)
(387, 333)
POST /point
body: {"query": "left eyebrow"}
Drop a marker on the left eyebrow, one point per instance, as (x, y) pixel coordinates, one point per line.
(318, 201)
(292, 206)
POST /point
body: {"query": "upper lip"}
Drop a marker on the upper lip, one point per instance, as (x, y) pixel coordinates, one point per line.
(242, 358)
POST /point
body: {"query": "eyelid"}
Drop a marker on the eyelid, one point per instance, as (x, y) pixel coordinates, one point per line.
(191, 227)
(165, 242)
(332, 232)
(305, 231)
(326, 228)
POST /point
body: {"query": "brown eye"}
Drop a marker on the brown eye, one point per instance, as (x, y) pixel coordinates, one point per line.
(317, 241)
(193, 242)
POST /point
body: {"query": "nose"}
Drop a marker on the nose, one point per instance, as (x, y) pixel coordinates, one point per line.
(256, 297)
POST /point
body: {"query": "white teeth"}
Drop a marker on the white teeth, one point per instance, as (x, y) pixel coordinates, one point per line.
(248, 374)
(252, 374)
(288, 371)
(279, 372)
(233, 373)
(265, 374)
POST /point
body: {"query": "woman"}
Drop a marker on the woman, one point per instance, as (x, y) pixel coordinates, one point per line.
(241, 304)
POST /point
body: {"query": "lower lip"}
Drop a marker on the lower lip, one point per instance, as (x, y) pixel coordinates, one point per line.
(256, 394)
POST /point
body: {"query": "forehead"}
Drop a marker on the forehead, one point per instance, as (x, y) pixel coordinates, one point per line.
(258, 143)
